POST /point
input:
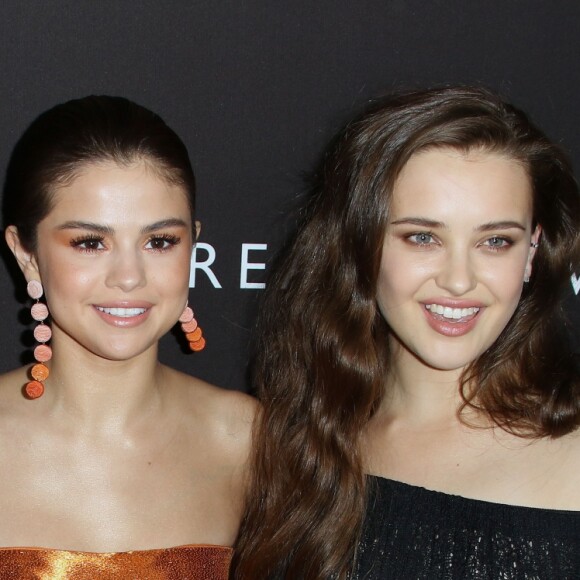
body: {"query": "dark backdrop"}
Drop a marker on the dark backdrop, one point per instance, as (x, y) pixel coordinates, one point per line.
(256, 89)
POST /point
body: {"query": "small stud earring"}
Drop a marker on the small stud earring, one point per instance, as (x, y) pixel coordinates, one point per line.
(534, 244)
(42, 333)
(192, 330)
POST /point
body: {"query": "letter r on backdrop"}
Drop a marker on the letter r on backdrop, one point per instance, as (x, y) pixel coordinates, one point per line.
(204, 266)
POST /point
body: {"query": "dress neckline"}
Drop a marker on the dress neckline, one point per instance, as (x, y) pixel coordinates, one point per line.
(216, 547)
(484, 504)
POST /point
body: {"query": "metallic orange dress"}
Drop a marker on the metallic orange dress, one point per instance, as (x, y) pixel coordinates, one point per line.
(194, 562)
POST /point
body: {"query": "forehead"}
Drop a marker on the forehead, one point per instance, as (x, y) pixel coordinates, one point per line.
(112, 192)
(449, 184)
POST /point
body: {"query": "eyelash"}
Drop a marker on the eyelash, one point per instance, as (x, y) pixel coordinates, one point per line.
(81, 243)
(169, 241)
(410, 239)
(506, 241)
(77, 243)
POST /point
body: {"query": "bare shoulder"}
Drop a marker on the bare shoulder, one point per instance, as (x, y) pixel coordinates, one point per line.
(571, 447)
(228, 414)
(18, 415)
(11, 389)
(562, 458)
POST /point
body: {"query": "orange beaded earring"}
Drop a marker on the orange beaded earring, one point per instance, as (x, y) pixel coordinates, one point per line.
(192, 330)
(42, 333)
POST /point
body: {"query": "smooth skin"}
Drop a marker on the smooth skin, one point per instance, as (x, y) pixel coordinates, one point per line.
(460, 235)
(120, 453)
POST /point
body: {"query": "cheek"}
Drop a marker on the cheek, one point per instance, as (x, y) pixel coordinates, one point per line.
(174, 270)
(505, 278)
(401, 277)
(60, 276)
(393, 292)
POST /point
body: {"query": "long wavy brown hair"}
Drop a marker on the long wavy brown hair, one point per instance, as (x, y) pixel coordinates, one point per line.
(322, 347)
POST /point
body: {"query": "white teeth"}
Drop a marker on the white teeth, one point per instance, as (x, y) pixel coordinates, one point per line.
(122, 312)
(453, 313)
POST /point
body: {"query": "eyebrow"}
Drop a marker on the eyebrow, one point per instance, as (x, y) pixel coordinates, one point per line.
(502, 225)
(107, 230)
(427, 223)
(163, 224)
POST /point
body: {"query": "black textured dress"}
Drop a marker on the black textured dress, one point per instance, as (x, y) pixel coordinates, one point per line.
(411, 533)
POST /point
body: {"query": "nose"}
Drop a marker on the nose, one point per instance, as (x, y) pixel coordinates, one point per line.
(457, 275)
(126, 271)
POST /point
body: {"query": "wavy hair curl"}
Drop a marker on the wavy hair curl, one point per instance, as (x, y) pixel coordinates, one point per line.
(322, 348)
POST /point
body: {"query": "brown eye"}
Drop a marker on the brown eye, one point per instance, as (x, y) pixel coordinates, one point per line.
(90, 244)
(161, 243)
(158, 244)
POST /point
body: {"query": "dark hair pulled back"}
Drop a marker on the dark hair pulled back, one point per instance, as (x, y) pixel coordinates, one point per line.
(64, 139)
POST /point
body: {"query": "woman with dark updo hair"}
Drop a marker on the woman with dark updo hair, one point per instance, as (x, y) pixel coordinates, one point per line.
(421, 403)
(114, 465)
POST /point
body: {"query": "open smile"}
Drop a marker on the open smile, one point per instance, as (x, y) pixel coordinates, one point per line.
(452, 320)
(122, 312)
(125, 316)
(452, 314)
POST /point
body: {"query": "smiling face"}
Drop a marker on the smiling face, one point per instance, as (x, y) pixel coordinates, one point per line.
(113, 256)
(455, 254)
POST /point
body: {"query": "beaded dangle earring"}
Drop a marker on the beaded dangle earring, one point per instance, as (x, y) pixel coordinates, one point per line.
(42, 333)
(192, 330)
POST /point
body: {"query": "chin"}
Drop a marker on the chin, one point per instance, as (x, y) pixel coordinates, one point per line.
(119, 353)
(447, 361)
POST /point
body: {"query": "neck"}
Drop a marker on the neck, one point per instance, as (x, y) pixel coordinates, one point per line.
(94, 392)
(417, 393)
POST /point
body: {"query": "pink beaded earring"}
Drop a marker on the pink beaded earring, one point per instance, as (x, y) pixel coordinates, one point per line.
(42, 333)
(192, 330)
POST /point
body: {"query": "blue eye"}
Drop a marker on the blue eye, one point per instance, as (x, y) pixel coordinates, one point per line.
(498, 243)
(421, 238)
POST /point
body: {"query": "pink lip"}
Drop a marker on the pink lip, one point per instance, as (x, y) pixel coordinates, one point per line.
(452, 329)
(123, 321)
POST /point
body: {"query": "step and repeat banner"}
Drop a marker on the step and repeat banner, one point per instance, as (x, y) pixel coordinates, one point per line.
(256, 90)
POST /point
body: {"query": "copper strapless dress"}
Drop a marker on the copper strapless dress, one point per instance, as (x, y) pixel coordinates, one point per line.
(193, 562)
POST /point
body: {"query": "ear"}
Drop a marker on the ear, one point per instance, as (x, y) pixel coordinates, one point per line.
(534, 242)
(26, 260)
(197, 230)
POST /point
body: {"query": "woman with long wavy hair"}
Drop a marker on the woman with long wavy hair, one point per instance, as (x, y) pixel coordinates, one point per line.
(421, 403)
